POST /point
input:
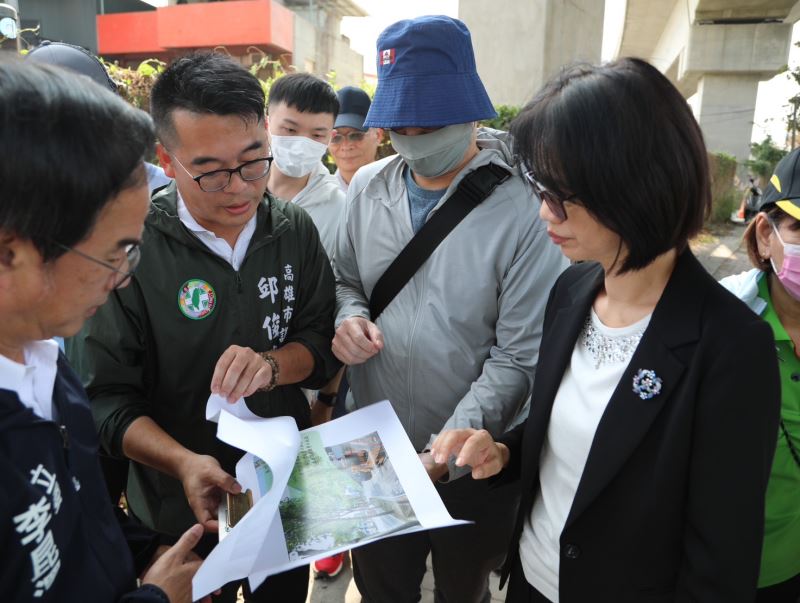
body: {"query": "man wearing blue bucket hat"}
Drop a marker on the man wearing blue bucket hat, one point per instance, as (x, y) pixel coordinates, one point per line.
(451, 335)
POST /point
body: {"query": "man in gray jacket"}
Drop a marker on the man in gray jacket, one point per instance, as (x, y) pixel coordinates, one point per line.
(458, 345)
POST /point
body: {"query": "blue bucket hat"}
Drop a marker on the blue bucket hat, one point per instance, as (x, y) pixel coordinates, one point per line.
(427, 76)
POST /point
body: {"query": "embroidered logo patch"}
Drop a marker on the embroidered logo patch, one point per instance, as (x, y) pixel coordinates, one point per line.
(197, 299)
(386, 57)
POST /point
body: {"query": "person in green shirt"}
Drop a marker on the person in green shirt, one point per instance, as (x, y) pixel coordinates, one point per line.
(772, 290)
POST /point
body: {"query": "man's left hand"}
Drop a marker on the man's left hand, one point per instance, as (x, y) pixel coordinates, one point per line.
(436, 471)
(240, 372)
(163, 548)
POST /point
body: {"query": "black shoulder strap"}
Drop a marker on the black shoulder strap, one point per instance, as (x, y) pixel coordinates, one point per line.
(470, 192)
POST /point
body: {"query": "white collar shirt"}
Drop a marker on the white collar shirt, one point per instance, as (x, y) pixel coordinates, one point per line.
(33, 382)
(233, 255)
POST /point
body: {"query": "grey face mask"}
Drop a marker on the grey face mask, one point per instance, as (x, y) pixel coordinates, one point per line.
(436, 153)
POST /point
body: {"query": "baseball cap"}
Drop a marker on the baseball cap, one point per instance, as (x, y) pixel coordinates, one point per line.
(74, 58)
(353, 108)
(783, 189)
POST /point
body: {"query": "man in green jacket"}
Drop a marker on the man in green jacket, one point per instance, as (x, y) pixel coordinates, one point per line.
(235, 296)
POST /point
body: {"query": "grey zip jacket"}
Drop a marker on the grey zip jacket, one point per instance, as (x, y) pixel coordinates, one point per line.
(323, 200)
(462, 337)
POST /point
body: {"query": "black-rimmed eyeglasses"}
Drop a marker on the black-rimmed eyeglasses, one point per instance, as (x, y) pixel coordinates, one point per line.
(133, 253)
(554, 203)
(211, 182)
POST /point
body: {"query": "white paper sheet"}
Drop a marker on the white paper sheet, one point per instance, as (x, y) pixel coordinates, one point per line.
(356, 480)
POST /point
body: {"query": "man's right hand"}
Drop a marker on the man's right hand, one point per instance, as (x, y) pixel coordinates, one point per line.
(174, 570)
(357, 340)
(204, 483)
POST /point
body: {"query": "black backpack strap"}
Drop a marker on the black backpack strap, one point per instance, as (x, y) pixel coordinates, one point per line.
(470, 192)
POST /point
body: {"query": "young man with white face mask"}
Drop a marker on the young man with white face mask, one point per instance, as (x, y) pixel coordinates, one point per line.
(301, 111)
(458, 344)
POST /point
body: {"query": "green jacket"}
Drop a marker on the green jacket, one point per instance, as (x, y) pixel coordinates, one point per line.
(152, 348)
(780, 556)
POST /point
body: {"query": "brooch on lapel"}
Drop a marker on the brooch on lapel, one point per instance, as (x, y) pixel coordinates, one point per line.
(646, 384)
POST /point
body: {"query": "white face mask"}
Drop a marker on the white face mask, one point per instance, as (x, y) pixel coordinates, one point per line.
(296, 156)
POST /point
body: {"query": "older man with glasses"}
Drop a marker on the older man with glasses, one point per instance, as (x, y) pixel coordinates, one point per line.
(352, 144)
(67, 243)
(235, 295)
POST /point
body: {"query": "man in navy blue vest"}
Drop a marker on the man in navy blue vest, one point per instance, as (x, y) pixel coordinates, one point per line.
(74, 200)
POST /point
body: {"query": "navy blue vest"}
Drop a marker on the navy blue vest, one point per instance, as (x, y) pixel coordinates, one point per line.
(59, 536)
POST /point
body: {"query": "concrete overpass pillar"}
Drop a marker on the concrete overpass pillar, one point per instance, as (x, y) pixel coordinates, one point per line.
(724, 106)
(716, 52)
(722, 63)
(520, 44)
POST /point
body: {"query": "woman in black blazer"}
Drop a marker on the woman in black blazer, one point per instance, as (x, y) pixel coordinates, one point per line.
(654, 417)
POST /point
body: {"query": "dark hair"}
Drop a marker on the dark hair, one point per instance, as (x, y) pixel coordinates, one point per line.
(304, 92)
(68, 147)
(777, 217)
(204, 82)
(622, 139)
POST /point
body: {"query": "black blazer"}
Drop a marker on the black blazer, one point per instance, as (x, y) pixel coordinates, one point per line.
(670, 506)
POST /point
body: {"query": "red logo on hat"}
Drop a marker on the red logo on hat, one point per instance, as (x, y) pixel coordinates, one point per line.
(386, 57)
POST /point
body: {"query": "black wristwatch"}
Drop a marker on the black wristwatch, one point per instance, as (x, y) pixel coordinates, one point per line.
(326, 399)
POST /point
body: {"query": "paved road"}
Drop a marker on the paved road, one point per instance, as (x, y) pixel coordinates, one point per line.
(342, 589)
(722, 251)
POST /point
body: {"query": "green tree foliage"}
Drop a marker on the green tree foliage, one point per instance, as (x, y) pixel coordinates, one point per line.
(766, 155)
(724, 197)
(134, 84)
(505, 115)
(792, 118)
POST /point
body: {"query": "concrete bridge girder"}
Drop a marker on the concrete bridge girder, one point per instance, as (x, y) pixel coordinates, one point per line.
(760, 50)
(742, 9)
(716, 52)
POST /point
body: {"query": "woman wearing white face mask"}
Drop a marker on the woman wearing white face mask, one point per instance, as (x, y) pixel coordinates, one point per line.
(772, 290)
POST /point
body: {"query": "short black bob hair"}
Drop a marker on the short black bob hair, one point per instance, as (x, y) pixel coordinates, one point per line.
(304, 92)
(622, 139)
(204, 82)
(68, 148)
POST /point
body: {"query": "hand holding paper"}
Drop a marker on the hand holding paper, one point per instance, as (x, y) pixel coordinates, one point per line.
(239, 373)
(321, 491)
(204, 483)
